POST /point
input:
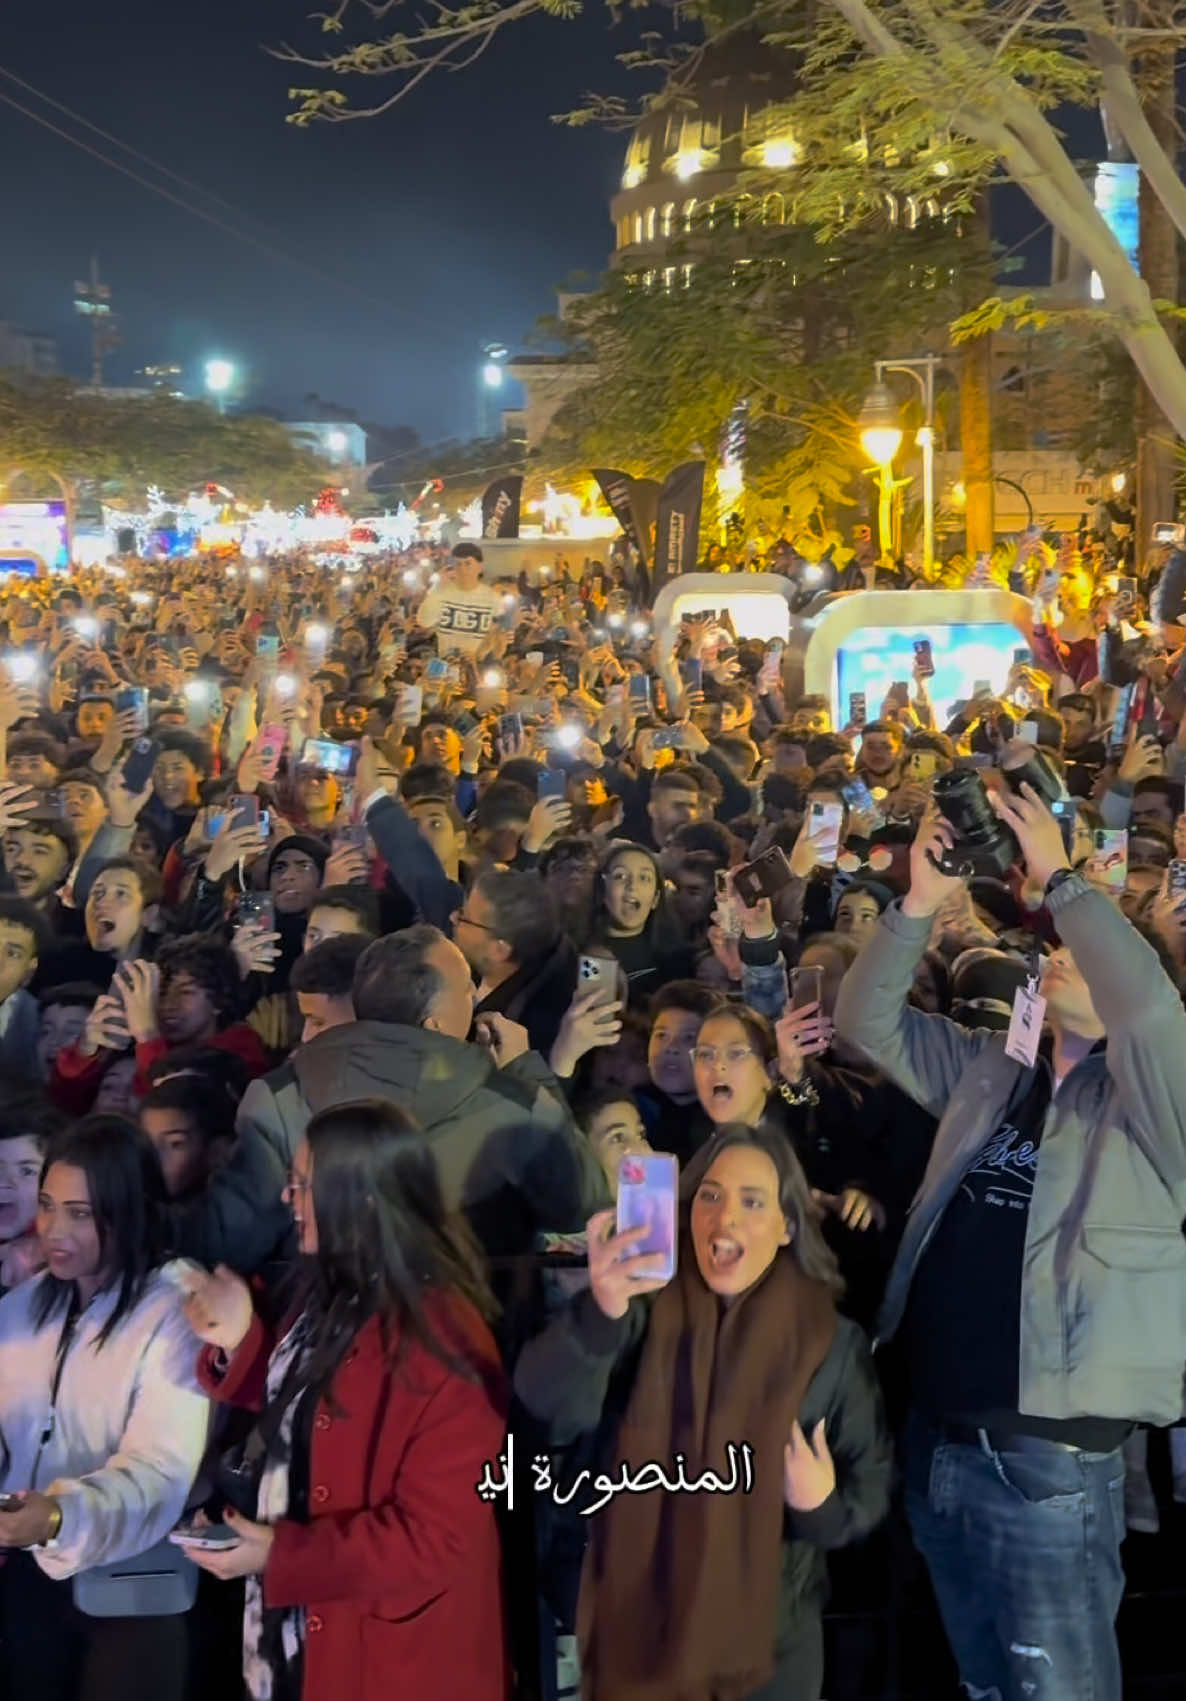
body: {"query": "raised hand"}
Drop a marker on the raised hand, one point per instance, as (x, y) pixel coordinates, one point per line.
(617, 1270)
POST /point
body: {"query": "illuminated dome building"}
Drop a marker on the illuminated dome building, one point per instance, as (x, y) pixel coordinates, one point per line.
(683, 161)
(679, 196)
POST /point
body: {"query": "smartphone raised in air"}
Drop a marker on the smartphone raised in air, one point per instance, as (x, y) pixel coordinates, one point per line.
(765, 877)
(258, 907)
(647, 1192)
(807, 986)
(141, 761)
(329, 757)
(826, 821)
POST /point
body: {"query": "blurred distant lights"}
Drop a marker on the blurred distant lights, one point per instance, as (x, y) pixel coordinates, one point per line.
(220, 375)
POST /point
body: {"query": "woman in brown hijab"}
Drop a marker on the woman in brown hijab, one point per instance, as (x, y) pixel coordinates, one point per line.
(710, 1593)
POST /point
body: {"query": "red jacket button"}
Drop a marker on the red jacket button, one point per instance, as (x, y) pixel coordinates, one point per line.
(314, 1623)
(323, 1421)
(320, 1494)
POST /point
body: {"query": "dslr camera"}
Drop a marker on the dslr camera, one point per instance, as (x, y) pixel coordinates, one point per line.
(984, 844)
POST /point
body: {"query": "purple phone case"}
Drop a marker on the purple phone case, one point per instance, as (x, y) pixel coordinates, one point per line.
(647, 1190)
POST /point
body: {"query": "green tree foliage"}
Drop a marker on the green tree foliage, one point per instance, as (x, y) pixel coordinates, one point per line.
(775, 321)
(124, 444)
(929, 99)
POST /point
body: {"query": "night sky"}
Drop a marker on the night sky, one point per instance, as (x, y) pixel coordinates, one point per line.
(458, 213)
(443, 225)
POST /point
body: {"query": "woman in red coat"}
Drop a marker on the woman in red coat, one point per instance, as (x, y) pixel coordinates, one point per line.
(372, 1565)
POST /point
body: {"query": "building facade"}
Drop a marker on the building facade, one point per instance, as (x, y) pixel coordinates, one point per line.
(27, 351)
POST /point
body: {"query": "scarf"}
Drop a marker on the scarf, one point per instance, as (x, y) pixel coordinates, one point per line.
(679, 1595)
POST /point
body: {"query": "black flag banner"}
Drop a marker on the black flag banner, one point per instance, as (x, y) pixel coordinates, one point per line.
(677, 531)
(617, 489)
(646, 510)
(500, 507)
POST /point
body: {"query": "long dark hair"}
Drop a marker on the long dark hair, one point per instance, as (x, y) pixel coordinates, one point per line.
(127, 1194)
(661, 931)
(808, 1247)
(384, 1239)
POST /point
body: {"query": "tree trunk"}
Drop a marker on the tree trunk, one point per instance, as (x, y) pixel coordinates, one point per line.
(1159, 268)
(1005, 118)
(976, 444)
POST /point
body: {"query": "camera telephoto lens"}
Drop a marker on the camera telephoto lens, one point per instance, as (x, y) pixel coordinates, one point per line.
(1031, 769)
(983, 843)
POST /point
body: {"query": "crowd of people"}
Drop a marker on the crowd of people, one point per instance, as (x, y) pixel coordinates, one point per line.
(516, 1147)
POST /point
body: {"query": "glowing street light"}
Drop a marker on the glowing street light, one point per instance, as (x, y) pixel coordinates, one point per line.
(880, 427)
(220, 375)
(879, 423)
(491, 377)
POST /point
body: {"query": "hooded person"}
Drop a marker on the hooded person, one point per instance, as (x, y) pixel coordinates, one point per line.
(508, 1152)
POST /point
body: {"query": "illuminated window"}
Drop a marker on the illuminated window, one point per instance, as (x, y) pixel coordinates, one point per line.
(691, 145)
(743, 210)
(638, 227)
(648, 280)
(624, 232)
(650, 224)
(689, 214)
(669, 278)
(687, 271)
(667, 218)
(774, 209)
(638, 156)
(710, 216)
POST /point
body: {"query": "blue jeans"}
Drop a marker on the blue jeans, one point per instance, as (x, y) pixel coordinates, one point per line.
(1023, 1549)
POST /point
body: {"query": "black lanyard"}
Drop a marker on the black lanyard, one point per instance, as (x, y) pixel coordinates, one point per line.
(65, 1340)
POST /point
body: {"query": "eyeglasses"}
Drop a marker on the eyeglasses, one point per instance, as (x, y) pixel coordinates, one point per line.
(469, 921)
(708, 1055)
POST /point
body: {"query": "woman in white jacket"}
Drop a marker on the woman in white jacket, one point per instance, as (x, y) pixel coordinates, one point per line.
(102, 1429)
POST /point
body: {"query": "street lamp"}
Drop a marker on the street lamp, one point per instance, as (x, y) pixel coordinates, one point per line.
(491, 378)
(881, 438)
(881, 431)
(220, 375)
